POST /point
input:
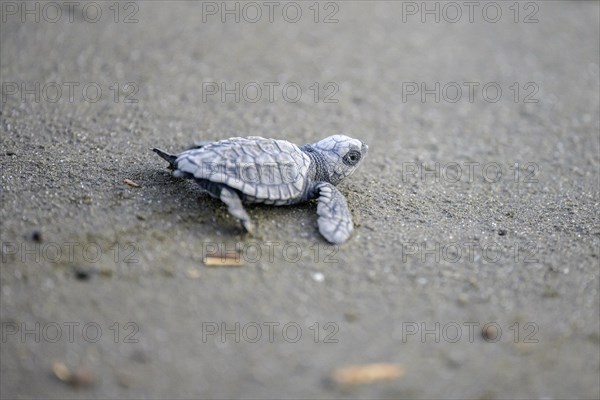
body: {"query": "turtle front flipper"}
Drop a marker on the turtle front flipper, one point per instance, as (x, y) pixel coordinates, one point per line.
(236, 208)
(335, 219)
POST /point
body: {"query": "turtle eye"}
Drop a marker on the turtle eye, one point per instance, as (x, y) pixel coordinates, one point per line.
(352, 157)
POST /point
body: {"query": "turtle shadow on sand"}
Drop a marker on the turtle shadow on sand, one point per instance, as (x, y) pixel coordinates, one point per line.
(171, 195)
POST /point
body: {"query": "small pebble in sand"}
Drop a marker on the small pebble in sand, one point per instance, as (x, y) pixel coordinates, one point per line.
(192, 273)
(130, 183)
(223, 261)
(37, 236)
(489, 332)
(367, 373)
(318, 276)
(81, 377)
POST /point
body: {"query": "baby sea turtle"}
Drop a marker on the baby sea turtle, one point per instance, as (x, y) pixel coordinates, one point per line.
(259, 170)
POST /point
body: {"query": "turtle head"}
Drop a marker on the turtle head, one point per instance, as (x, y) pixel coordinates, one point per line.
(338, 157)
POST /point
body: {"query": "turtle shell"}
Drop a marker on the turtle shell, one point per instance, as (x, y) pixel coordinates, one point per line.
(265, 170)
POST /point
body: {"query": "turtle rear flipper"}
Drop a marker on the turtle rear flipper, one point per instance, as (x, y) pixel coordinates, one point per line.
(235, 208)
(167, 157)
